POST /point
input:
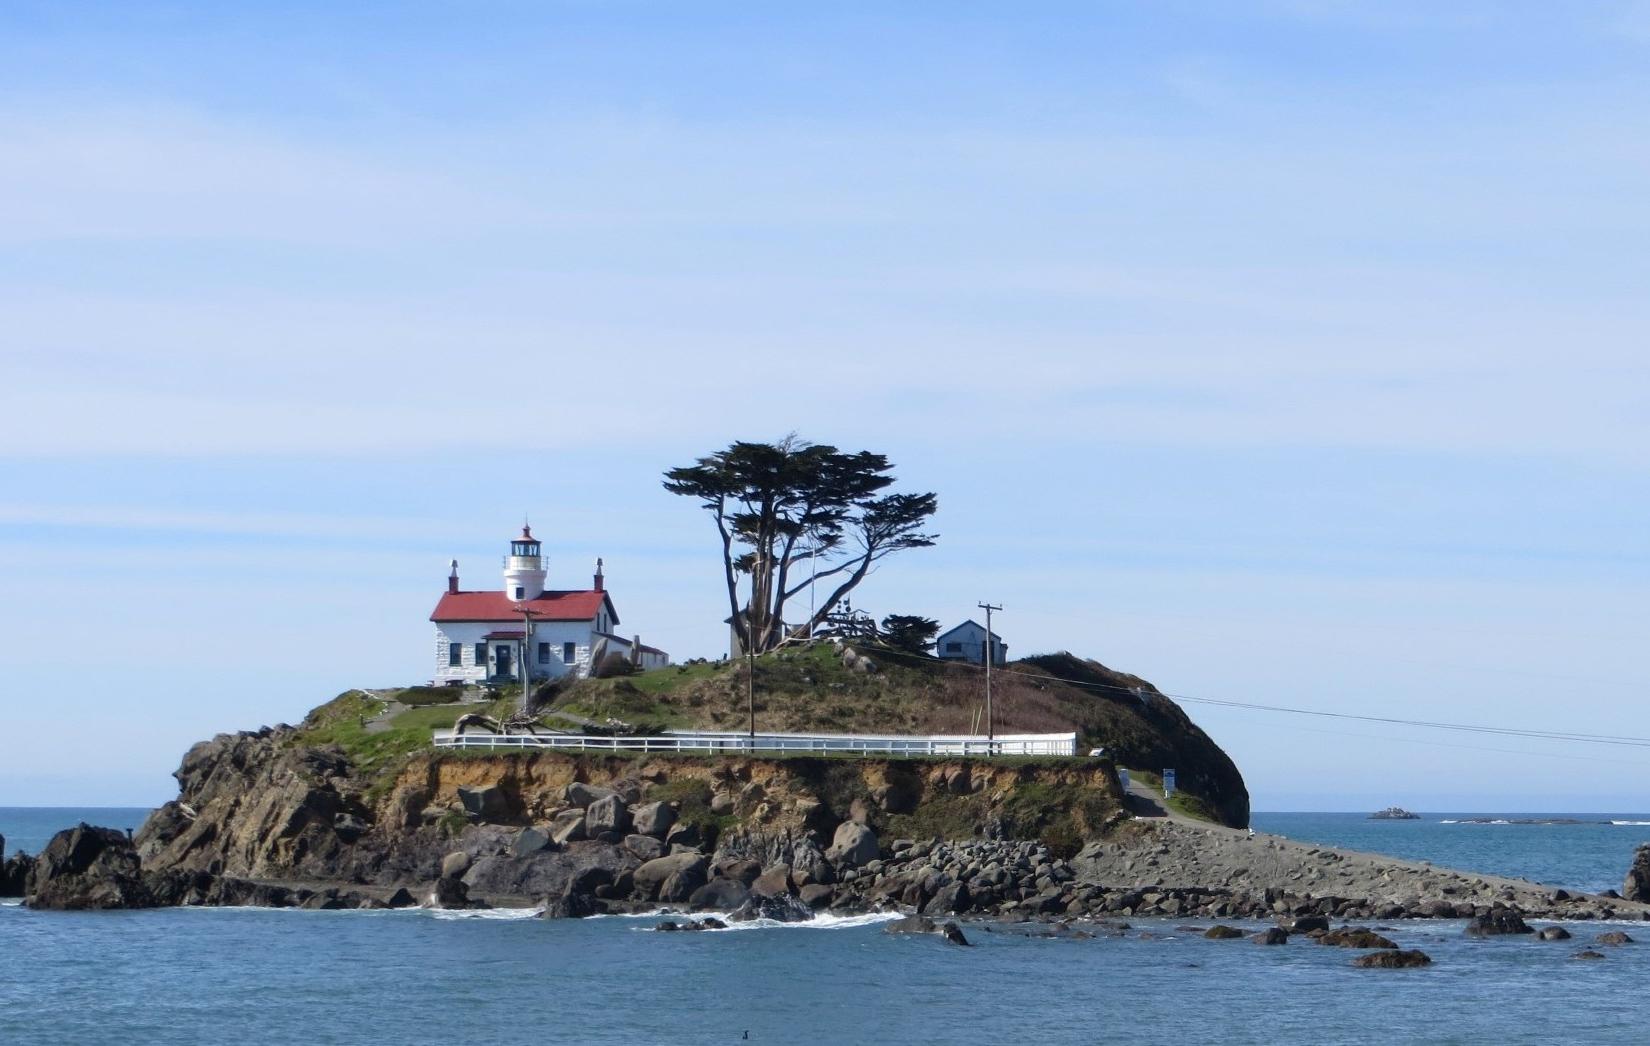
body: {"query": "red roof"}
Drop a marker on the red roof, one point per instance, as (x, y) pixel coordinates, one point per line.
(495, 606)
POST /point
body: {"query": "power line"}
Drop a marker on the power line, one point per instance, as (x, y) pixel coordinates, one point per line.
(1547, 735)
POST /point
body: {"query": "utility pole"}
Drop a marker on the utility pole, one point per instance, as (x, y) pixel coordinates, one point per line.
(990, 656)
(750, 687)
(526, 663)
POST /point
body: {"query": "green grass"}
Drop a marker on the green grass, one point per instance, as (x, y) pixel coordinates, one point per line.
(428, 695)
(343, 722)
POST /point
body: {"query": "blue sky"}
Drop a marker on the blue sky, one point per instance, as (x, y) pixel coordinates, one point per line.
(1283, 352)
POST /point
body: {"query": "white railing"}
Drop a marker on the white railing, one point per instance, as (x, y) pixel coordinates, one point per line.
(701, 742)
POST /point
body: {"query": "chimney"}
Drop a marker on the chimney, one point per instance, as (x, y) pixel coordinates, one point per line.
(452, 579)
(598, 584)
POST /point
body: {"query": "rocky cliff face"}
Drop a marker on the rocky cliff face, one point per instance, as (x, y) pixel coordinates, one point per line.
(262, 806)
(1637, 885)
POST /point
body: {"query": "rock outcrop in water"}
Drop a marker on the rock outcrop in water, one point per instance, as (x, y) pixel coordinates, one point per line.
(1637, 885)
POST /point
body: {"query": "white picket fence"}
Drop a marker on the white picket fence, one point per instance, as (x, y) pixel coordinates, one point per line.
(701, 742)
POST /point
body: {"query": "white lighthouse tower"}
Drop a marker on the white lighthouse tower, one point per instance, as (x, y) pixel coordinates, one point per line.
(524, 568)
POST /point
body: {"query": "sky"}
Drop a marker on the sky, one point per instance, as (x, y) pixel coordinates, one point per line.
(1288, 352)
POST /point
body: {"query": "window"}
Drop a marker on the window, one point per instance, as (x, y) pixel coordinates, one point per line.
(544, 653)
(520, 592)
(567, 653)
(455, 654)
(953, 648)
(481, 655)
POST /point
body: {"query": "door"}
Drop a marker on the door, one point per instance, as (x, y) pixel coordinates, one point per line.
(501, 662)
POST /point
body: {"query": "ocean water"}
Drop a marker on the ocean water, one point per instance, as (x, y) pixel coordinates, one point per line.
(267, 976)
(1592, 854)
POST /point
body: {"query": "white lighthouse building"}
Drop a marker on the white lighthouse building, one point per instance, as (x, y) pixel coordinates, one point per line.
(496, 635)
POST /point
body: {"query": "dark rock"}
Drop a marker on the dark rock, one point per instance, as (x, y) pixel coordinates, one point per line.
(14, 875)
(951, 899)
(655, 819)
(685, 834)
(1613, 937)
(1393, 960)
(1553, 933)
(1497, 922)
(783, 908)
(1223, 933)
(1588, 954)
(588, 880)
(488, 803)
(722, 895)
(349, 827)
(449, 893)
(1274, 935)
(912, 924)
(572, 906)
(1306, 924)
(530, 841)
(88, 868)
(953, 933)
(402, 898)
(1355, 937)
(607, 817)
(1637, 885)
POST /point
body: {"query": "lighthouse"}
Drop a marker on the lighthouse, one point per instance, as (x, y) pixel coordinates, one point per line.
(524, 568)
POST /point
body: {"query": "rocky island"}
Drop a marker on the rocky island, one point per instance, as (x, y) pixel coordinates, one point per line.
(354, 808)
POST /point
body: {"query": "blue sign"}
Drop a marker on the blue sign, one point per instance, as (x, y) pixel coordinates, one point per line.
(1168, 783)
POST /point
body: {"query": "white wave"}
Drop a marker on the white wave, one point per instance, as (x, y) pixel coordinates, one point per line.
(1449, 820)
(1633, 823)
(824, 921)
(484, 913)
(12, 902)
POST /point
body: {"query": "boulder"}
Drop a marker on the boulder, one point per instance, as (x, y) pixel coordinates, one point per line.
(1613, 937)
(655, 819)
(1588, 954)
(775, 882)
(720, 894)
(1355, 937)
(645, 847)
(530, 841)
(1497, 922)
(449, 893)
(1393, 960)
(1305, 924)
(455, 864)
(950, 899)
(582, 795)
(1223, 933)
(606, 815)
(741, 868)
(853, 845)
(1553, 933)
(953, 933)
(488, 803)
(567, 827)
(684, 872)
(1637, 885)
(815, 895)
(589, 880)
(572, 906)
(1274, 935)
(912, 924)
(401, 898)
(14, 875)
(686, 835)
(89, 868)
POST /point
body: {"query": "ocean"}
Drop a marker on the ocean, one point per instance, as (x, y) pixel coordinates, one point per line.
(268, 976)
